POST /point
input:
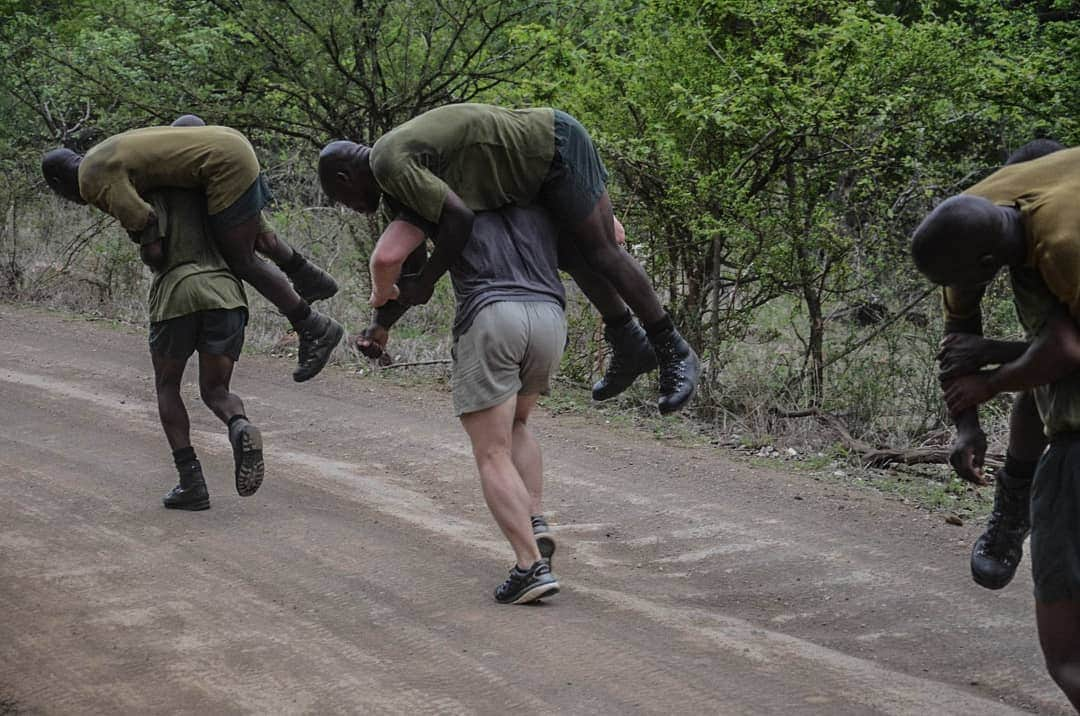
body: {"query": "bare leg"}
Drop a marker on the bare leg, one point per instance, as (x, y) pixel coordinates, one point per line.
(595, 235)
(215, 372)
(1059, 635)
(526, 453)
(237, 246)
(600, 292)
(168, 375)
(274, 248)
(1027, 439)
(490, 432)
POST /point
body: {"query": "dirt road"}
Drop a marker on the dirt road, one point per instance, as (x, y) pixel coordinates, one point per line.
(359, 578)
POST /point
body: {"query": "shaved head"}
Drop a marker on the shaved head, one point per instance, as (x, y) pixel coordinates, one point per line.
(61, 170)
(188, 120)
(962, 241)
(345, 175)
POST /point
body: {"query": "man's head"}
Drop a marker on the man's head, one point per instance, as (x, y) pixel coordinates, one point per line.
(61, 170)
(188, 120)
(345, 175)
(1033, 150)
(963, 242)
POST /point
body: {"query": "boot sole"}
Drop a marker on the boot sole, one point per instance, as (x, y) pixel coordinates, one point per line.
(674, 407)
(537, 593)
(248, 456)
(190, 506)
(336, 333)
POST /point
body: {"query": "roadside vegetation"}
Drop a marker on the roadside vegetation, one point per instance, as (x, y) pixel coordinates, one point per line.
(768, 158)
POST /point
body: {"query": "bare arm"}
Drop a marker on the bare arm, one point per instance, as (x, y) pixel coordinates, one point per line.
(1050, 357)
(397, 242)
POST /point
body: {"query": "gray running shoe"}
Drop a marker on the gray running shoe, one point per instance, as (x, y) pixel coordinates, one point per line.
(527, 586)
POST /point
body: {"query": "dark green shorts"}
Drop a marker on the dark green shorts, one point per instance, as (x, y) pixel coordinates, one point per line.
(1055, 522)
(251, 203)
(577, 178)
(219, 332)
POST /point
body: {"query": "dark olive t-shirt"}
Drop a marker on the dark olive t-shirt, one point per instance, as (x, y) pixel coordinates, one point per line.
(1046, 191)
(487, 155)
(194, 277)
(217, 160)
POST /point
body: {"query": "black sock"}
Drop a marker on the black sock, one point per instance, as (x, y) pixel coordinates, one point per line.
(299, 314)
(619, 321)
(183, 457)
(1018, 473)
(656, 328)
(294, 264)
(233, 419)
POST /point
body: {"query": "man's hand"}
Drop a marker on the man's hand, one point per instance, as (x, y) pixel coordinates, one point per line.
(413, 292)
(967, 391)
(961, 354)
(620, 232)
(968, 455)
(372, 341)
(377, 299)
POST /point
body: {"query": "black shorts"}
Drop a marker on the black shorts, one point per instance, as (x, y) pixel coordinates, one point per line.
(577, 177)
(1055, 522)
(218, 332)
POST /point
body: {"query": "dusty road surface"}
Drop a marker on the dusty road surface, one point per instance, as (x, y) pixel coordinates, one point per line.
(359, 578)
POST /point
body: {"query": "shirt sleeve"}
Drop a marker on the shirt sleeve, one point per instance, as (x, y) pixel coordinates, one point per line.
(1059, 266)
(155, 230)
(121, 200)
(417, 188)
(962, 309)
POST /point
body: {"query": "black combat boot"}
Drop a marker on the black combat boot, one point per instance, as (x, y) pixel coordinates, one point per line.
(631, 355)
(191, 493)
(998, 551)
(246, 441)
(679, 370)
(319, 335)
(310, 281)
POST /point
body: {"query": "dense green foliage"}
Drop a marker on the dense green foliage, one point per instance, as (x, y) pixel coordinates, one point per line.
(769, 157)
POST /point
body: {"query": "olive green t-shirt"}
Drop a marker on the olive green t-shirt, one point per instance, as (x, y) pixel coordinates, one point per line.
(1059, 402)
(114, 173)
(487, 155)
(194, 277)
(1047, 193)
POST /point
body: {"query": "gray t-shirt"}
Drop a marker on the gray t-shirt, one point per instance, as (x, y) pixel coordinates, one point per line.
(512, 255)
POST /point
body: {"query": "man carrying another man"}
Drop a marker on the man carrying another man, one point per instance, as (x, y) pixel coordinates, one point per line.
(221, 163)
(196, 305)
(509, 334)
(1025, 216)
(452, 161)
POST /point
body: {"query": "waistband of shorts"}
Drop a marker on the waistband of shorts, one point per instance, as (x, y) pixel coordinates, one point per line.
(1065, 436)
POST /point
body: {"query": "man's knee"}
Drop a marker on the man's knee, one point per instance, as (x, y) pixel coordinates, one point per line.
(212, 393)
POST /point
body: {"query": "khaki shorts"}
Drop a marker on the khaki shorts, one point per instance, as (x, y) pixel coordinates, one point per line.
(511, 348)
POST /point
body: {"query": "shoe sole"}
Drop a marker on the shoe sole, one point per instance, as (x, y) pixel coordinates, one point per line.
(612, 392)
(248, 456)
(537, 593)
(336, 332)
(190, 506)
(669, 408)
(546, 544)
